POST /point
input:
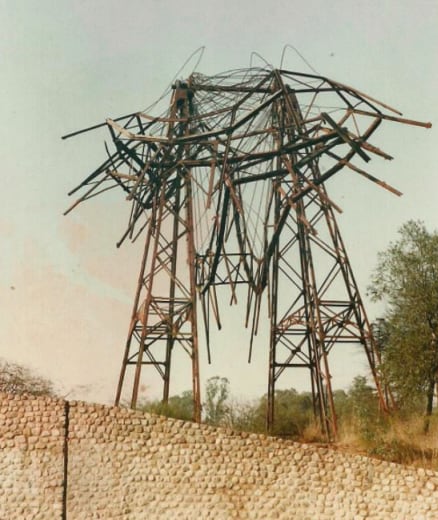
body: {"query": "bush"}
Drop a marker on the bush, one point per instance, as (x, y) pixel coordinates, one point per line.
(16, 379)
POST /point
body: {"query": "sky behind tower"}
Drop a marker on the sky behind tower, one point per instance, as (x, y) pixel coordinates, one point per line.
(65, 290)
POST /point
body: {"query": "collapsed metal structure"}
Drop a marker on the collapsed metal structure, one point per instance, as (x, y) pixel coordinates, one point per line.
(228, 188)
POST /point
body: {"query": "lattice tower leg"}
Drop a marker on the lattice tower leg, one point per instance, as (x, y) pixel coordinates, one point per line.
(312, 310)
(164, 311)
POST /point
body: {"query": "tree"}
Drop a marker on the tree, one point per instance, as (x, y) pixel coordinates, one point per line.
(16, 379)
(216, 408)
(217, 392)
(364, 410)
(178, 406)
(406, 278)
(247, 416)
(293, 414)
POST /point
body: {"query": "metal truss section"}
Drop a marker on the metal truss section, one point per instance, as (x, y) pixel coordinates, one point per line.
(228, 185)
(164, 313)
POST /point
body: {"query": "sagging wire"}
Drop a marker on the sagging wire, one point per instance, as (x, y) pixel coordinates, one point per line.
(290, 46)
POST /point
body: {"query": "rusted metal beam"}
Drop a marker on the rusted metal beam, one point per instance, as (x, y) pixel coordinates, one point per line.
(227, 188)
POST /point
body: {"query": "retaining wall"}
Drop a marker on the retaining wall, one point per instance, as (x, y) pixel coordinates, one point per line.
(80, 461)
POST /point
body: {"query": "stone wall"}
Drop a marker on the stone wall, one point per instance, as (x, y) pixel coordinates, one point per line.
(32, 434)
(122, 464)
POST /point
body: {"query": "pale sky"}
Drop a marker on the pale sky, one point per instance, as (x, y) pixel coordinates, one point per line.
(65, 290)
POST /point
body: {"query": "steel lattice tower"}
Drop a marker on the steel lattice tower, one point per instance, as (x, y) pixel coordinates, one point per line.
(228, 186)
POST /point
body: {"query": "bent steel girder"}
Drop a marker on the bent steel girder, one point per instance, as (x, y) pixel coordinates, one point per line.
(228, 185)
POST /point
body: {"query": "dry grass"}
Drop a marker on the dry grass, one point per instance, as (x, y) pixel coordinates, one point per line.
(396, 440)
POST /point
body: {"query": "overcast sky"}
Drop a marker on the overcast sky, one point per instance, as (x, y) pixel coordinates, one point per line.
(65, 290)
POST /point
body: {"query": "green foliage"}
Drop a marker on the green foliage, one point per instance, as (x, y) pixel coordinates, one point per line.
(293, 414)
(215, 407)
(247, 416)
(406, 278)
(359, 411)
(342, 403)
(178, 406)
(16, 379)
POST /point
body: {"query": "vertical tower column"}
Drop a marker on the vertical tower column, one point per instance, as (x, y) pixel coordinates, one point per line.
(311, 311)
(164, 311)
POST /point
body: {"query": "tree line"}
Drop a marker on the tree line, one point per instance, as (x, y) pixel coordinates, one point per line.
(294, 410)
